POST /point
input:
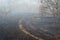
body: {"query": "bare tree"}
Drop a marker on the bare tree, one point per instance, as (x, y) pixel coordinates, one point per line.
(49, 8)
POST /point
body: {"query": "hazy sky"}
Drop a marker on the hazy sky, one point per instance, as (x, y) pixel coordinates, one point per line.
(20, 5)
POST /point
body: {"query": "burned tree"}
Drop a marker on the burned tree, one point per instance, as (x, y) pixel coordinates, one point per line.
(49, 8)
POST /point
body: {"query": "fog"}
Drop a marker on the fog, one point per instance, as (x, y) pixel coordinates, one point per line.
(22, 6)
(14, 9)
(11, 11)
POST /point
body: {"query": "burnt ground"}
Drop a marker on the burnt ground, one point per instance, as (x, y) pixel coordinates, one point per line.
(9, 29)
